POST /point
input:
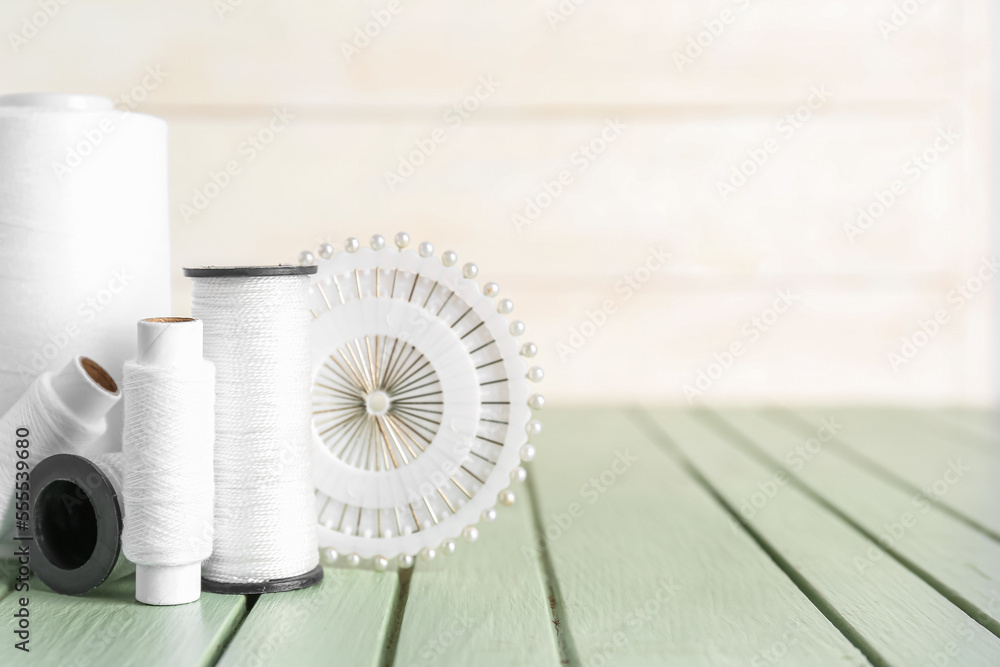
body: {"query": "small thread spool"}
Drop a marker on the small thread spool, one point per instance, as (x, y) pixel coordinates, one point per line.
(64, 412)
(167, 445)
(76, 520)
(256, 334)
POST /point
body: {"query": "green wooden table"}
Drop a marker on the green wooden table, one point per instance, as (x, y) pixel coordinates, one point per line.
(830, 536)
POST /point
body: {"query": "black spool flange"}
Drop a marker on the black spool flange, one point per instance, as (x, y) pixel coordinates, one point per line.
(273, 586)
(249, 271)
(76, 521)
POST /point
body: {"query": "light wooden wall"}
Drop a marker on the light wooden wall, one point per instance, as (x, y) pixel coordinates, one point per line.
(228, 64)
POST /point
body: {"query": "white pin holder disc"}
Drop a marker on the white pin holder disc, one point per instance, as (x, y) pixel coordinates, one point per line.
(420, 401)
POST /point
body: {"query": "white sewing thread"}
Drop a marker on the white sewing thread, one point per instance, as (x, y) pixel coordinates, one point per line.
(85, 252)
(256, 334)
(65, 416)
(167, 445)
(112, 464)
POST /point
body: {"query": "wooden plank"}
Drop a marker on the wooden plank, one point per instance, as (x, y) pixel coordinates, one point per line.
(111, 628)
(944, 428)
(342, 621)
(8, 572)
(887, 610)
(485, 605)
(959, 478)
(959, 561)
(968, 427)
(650, 570)
(983, 421)
(915, 432)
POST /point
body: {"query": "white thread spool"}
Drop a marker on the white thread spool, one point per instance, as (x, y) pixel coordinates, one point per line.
(76, 521)
(256, 334)
(167, 443)
(64, 412)
(83, 188)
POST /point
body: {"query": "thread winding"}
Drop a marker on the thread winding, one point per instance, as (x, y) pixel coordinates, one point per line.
(112, 464)
(103, 221)
(167, 447)
(256, 334)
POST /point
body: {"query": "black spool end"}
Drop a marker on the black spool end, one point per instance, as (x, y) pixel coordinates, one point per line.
(295, 583)
(76, 520)
(249, 271)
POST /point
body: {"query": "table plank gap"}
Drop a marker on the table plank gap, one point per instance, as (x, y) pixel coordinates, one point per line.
(108, 627)
(657, 433)
(487, 604)
(894, 611)
(343, 620)
(216, 655)
(974, 501)
(651, 569)
(404, 575)
(961, 563)
(560, 622)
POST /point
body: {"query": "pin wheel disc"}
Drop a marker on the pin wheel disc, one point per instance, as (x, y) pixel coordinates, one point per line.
(420, 403)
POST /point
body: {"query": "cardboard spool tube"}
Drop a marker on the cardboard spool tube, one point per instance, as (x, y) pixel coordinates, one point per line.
(86, 389)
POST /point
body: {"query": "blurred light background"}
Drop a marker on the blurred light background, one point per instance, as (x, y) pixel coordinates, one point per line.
(565, 145)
